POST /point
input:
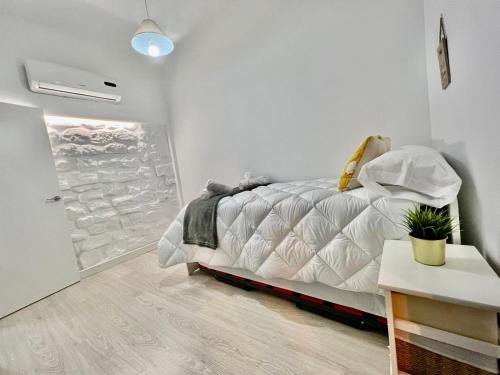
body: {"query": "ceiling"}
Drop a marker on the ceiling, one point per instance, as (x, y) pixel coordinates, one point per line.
(89, 19)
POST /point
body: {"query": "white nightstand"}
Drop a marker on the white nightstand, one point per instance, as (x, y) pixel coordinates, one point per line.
(441, 320)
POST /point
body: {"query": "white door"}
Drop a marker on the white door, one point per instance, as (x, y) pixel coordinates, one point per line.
(36, 254)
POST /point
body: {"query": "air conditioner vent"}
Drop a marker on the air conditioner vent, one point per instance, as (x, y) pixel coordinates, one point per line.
(54, 79)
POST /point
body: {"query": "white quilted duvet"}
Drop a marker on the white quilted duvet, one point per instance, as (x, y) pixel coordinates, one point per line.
(302, 230)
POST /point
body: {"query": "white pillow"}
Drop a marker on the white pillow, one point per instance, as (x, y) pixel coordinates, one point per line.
(419, 173)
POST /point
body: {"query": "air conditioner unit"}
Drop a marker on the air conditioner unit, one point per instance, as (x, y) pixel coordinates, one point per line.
(53, 79)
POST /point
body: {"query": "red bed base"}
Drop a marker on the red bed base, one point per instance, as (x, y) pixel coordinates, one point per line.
(345, 314)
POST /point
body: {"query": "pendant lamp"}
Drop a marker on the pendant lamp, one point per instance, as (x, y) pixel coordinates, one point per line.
(150, 40)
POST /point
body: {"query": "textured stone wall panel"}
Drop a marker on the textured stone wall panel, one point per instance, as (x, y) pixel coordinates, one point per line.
(118, 187)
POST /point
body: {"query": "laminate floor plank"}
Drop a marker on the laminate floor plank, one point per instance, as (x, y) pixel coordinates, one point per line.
(137, 318)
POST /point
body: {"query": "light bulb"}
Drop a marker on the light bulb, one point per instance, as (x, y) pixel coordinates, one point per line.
(153, 50)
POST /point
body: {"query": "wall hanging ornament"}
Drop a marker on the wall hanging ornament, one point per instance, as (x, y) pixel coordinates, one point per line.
(444, 60)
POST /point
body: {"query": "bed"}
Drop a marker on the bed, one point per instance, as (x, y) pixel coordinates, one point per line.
(311, 242)
(302, 239)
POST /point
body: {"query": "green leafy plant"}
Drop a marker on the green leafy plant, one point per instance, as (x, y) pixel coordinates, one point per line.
(428, 223)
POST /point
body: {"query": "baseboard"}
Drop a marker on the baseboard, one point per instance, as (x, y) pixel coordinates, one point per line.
(117, 260)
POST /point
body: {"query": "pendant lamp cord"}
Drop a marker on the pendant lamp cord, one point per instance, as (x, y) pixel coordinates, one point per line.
(146, 5)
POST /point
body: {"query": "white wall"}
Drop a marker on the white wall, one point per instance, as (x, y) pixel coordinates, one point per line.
(286, 88)
(117, 184)
(86, 45)
(84, 36)
(465, 117)
(289, 88)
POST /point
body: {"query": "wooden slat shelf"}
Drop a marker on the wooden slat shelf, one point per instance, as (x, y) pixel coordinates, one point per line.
(468, 343)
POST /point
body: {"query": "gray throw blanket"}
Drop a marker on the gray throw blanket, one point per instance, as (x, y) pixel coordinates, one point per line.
(200, 218)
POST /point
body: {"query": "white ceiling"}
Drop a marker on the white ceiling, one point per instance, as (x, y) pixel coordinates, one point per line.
(93, 18)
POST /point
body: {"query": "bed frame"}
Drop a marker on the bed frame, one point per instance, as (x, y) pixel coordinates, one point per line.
(362, 310)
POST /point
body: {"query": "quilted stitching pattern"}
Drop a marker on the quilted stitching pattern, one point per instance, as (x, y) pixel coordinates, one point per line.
(303, 230)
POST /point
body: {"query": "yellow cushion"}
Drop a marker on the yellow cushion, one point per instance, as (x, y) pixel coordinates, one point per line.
(371, 148)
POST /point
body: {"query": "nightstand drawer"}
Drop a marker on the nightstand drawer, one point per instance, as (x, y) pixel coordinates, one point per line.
(416, 360)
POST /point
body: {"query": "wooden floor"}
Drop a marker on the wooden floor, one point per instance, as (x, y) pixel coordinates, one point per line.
(136, 318)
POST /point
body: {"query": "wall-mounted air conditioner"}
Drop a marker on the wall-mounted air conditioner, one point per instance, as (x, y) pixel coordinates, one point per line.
(53, 79)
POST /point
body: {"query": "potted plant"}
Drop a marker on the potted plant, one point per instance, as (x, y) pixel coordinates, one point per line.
(429, 229)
